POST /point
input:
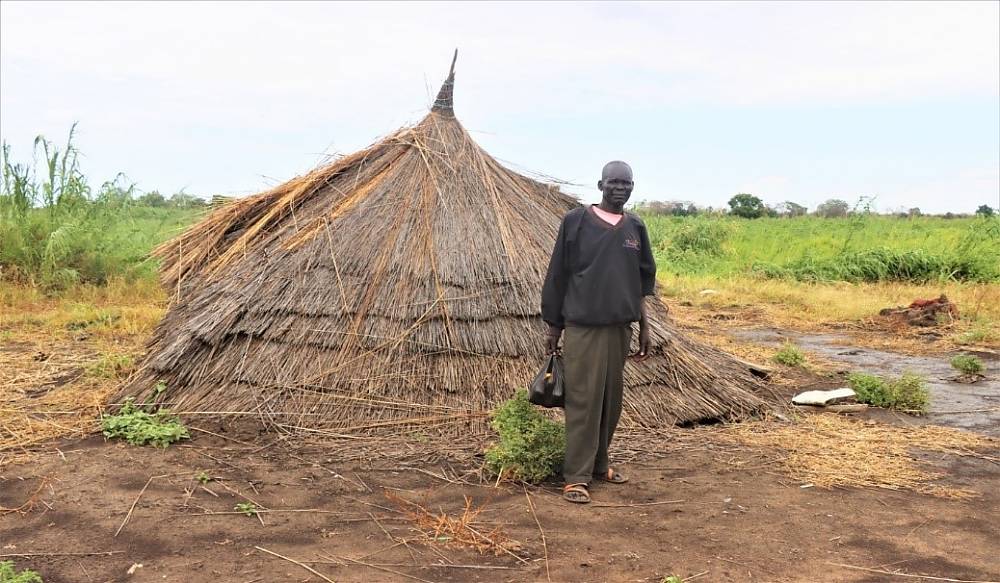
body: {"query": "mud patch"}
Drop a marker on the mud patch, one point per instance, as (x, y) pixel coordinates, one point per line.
(966, 406)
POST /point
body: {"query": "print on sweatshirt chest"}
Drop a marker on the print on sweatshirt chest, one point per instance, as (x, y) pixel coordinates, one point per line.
(599, 246)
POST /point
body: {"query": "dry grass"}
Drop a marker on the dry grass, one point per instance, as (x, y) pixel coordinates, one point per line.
(462, 529)
(851, 308)
(831, 451)
(61, 357)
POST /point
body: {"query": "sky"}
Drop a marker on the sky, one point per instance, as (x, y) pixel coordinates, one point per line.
(790, 101)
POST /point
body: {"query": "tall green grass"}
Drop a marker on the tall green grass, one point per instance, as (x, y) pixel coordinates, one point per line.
(859, 248)
(56, 231)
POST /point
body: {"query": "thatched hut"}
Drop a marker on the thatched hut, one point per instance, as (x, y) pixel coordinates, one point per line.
(395, 287)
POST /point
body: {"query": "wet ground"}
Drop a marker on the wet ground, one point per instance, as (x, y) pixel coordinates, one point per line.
(971, 406)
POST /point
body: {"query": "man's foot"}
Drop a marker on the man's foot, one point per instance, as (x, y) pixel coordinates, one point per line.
(576, 493)
(612, 476)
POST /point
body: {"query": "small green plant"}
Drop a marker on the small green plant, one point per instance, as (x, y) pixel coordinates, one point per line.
(531, 447)
(140, 427)
(967, 364)
(910, 394)
(789, 355)
(9, 575)
(977, 335)
(672, 579)
(248, 508)
(907, 393)
(159, 387)
(869, 389)
(203, 478)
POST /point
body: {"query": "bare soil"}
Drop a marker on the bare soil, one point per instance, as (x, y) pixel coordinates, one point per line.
(692, 511)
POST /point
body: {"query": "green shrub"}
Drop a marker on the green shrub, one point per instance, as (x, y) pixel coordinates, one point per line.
(139, 427)
(789, 355)
(9, 575)
(967, 364)
(907, 393)
(869, 389)
(531, 447)
(699, 237)
(910, 392)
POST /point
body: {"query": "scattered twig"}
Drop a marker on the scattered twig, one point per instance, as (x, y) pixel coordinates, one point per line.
(386, 569)
(545, 546)
(220, 436)
(29, 503)
(928, 577)
(90, 554)
(638, 504)
(136, 501)
(304, 566)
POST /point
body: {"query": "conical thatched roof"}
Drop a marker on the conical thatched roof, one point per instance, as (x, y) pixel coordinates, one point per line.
(397, 286)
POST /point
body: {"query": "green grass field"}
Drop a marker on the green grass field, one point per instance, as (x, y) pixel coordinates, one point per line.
(918, 249)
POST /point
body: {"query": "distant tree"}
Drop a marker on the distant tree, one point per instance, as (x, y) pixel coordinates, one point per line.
(833, 208)
(985, 210)
(692, 210)
(747, 206)
(914, 212)
(152, 198)
(791, 209)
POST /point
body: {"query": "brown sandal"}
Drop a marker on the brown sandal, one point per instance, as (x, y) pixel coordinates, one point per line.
(576, 493)
(612, 477)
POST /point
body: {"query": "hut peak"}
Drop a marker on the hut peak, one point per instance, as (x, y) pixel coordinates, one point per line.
(445, 102)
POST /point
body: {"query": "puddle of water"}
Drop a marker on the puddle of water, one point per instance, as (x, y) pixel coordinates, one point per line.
(946, 396)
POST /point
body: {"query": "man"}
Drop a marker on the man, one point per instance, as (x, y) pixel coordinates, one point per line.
(600, 270)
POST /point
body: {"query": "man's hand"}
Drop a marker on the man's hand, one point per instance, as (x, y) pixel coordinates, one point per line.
(645, 345)
(552, 336)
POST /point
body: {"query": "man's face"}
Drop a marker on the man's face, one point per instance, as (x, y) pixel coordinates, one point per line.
(616, 183)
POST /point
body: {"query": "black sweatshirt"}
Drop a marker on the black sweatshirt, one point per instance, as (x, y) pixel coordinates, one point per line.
(598, 272)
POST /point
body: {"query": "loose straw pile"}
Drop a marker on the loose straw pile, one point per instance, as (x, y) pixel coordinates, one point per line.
(830, 450)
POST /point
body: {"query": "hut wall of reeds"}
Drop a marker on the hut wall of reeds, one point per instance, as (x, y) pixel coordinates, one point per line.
(396, 287)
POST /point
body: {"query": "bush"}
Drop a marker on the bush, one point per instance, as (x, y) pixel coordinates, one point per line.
(790, 355)
(531, 447)
(9, 575)
(701, 237)
(967, 364)
(139, 427)
(907, 393)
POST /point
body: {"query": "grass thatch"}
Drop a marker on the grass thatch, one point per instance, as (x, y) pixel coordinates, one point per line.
(397, 286)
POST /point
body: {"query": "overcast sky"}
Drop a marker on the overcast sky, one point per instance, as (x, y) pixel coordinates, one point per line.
(798, 101)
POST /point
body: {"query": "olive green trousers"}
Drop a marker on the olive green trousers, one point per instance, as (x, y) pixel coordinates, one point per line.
(594, 359)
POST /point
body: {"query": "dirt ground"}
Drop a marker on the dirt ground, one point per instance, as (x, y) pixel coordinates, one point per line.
(692, 512)
(696, 507)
